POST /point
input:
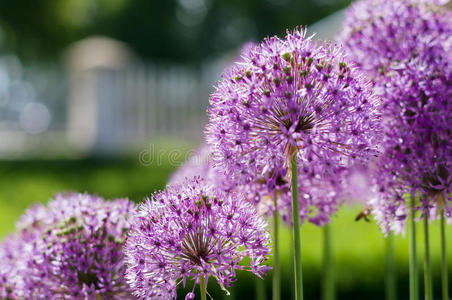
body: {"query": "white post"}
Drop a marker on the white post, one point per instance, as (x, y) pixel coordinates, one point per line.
(92, 64)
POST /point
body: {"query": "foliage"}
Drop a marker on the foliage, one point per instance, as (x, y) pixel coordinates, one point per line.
(157, 29)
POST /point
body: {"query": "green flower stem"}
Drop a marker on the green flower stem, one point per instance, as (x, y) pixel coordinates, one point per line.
(390, 276)
(276, 262)
(427, 264)
(296, 231)
(413, 256)
(260, 288)
(203, 288)
(444, 275)
(328, 265)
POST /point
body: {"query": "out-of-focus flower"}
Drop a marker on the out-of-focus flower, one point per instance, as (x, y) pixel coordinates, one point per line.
(189, 231)
(17, 249)
(12, 265)
(293, 96)
(417, 158)
(72, 249)
(379, 34)
(409, 61)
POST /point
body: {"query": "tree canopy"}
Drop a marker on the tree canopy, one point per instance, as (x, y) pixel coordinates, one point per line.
(176, 30)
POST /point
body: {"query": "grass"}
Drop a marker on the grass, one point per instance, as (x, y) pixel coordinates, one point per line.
(358, 246)
(27, 182)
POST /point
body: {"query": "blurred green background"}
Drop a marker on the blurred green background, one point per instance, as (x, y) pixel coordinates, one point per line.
(182, 30)
(359, 247)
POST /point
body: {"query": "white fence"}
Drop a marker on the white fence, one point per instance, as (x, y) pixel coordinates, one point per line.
(141, 103)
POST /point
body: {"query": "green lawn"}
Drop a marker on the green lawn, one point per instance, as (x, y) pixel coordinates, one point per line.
(27, 182)
(359, 247)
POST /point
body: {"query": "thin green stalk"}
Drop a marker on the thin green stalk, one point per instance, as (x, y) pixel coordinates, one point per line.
(260, 288)
(444, 275)
(390, 276)
(328, 265)
(203, 288)
(413, 256)
(296, 231)
(427, 264)
(276, 266)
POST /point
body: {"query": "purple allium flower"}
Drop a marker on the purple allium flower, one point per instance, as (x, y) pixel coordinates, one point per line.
(409, 62)
(192, 230)
(12, 250)
(34, 219)
(77, 249)
(417, 156)
(293, 96)
(380, 33)
(17, 249)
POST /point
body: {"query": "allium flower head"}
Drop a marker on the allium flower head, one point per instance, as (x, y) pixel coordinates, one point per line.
(17, 249)
(409, 62)
(12, 265)
(191, 231)
(293, 96)
(77, 251)
(380, 33)
(417, 156)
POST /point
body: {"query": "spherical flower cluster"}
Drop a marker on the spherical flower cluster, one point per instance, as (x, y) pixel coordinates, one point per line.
(12, 265)
(405, 47)
(72, 249)
(293, 96)
(417, 158)
(380, 33)
(193, 231)
(17, 249)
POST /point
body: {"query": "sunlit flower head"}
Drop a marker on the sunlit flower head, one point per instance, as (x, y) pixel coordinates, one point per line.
(292, 96)
(189, 231)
